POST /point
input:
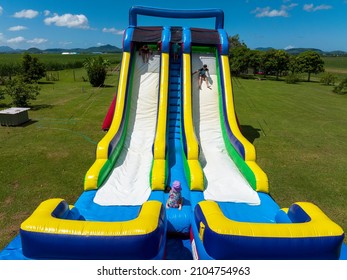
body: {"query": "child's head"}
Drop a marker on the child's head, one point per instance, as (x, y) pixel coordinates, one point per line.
(176, 186)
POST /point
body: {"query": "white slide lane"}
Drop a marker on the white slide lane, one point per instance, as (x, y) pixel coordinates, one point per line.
(129, 182)
(224, 182)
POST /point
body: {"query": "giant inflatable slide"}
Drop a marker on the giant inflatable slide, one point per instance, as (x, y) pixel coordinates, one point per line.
(163, 128)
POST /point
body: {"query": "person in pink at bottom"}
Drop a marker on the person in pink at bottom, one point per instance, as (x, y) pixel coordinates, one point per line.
(175, 197)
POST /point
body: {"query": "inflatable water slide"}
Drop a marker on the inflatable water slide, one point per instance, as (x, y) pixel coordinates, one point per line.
(165, 128)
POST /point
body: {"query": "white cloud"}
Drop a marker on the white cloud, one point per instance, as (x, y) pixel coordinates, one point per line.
(26, 14)
(1, 10)
(269, 12)
(65, 43)
(46, 13)
(37, 41)
(312, 8)
(17, 28)
(68, 20)
(289, 47)
(113, 31)
(16, 40)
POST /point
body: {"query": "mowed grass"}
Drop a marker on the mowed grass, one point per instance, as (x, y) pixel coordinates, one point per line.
(336, 64)
(298, 130)
(49, 156)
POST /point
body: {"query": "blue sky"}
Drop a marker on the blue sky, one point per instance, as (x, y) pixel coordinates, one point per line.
(260, 23)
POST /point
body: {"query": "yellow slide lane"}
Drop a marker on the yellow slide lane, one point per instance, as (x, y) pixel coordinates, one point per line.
(195, 170)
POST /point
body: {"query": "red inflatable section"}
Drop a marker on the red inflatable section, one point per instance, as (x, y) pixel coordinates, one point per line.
(109, 116)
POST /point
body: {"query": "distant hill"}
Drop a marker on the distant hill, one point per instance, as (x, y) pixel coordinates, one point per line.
(113, 49)
(100, 49)
(264, 49)
(301, 50)
(5, 49)
(295, 51)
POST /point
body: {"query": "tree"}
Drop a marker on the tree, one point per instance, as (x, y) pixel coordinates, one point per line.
(276, 61)
(20, 92)
(268, 61)
(32, 69)
(293, 65)
(96, 70)
(234, 42)
(239, 60)
(282, 62)
(310, 62)
(239, 55)
(255, 60)
(9, 70)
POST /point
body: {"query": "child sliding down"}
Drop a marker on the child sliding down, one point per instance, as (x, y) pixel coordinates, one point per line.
(175, 197)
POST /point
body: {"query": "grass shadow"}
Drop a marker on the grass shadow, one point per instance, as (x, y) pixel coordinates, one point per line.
(107, 86)
(250, 132)
(30, 122)
(41, 106)
(4, 105)
(46, 83)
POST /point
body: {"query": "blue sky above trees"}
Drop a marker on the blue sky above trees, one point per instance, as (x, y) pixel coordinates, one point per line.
(260, 23)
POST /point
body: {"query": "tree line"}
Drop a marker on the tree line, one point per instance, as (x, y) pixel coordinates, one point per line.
(272, 62)
(279, 63)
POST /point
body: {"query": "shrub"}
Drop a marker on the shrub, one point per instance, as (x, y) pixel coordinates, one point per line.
(292, 78)
(20, 92)
(328, 79)
(33, 69)
(96, 70)
(341, 88)
(52, 76)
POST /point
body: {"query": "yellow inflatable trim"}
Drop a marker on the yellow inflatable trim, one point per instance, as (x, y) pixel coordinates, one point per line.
(192, 142)
(159, 149)
(91, 178)
(262, 183)
(158, 174)
(92, 175)
(196, 175)
(249, 148)
(160, 135)
(192, 145)
(319, 225)
(42, 221)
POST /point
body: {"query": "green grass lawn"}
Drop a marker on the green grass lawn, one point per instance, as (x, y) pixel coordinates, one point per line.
(298, 130)
(336, 64)
(49, 156)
